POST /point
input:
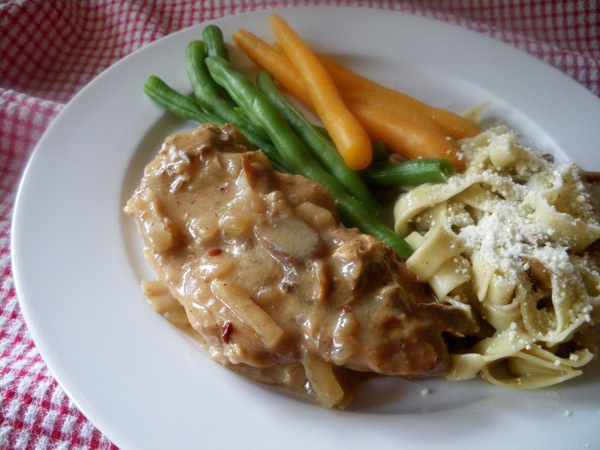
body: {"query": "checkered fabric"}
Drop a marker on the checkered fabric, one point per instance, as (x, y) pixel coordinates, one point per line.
(50, 49)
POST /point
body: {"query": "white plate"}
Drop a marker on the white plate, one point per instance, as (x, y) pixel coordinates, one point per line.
(77, 259)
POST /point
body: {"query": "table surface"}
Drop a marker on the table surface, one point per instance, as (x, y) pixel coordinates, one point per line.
(44, 63)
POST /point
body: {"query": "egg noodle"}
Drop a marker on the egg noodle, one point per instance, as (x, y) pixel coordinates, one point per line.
(508, 241)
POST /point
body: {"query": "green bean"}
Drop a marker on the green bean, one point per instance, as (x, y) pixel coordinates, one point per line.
(320, 147)
(409, 173)
(177, 104)
(215, 44)
(291, 148)
(208, 94)
(381, 152)
(186, 108)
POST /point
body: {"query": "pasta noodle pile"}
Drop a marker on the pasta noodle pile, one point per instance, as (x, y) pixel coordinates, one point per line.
(511, 242)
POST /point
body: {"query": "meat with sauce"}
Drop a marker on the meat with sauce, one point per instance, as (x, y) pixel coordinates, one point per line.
(274, 286)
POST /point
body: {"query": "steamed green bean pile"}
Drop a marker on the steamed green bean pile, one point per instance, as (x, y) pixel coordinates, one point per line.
(222, 95)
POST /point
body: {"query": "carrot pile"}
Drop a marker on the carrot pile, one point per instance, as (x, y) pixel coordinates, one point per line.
(355, 110)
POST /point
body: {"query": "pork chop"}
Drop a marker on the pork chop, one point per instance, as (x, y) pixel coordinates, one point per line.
(266, 275)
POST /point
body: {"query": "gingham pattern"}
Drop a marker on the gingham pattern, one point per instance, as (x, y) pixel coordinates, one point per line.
(51, 49)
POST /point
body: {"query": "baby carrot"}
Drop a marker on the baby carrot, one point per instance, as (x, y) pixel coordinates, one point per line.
(399, 109)
(274, 62)
(377, 95)
(350, 138)
(406, 138)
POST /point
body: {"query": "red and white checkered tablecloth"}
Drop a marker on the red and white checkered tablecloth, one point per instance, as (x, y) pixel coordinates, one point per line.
(50, 49)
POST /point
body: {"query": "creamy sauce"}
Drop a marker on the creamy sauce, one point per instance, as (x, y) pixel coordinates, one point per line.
(275, 287)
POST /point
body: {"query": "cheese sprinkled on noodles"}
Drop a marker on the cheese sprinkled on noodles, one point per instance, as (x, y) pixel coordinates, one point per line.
(509, 242)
